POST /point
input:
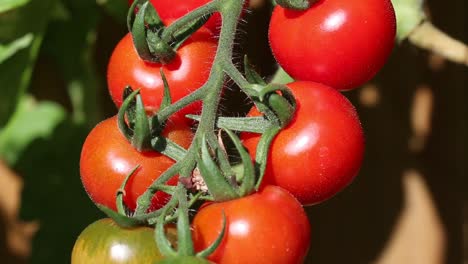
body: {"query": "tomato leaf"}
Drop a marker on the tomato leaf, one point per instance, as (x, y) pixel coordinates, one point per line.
(31, 120)
(53, 192)
(17, 58)
(116, 8)
(7, 5)
(73, 31)
(6, 51)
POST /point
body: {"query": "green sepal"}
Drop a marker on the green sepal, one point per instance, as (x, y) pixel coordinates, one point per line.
(184, 33)
(217, 184)
(138, 30)
(162, 242)
(278, 108)
(251, 75)
(283, 105)
(244, 124)
(128, 106)
(167, 99)
(248, 180)
(130, 110)
(144, 201)
(211, 249)
(295, 4)
(145, 32)
(141, 139)
(121, 220)
(119, 202)
(184, 235)
(263, 147)
(156, 123)
(281, 77)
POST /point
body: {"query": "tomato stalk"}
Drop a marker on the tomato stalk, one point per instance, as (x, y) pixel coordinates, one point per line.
(279, 108)
(414, 26)
(206, 153)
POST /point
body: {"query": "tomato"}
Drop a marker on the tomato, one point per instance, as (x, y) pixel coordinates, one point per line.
(320, 151)
(268, 227)
(188, 71)
(107, 158)
(174, 9)
(105, 242)
(339, 43)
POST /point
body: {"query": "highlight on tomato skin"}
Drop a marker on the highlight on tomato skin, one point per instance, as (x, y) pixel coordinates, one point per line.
(267, 227)
(321, 151)
(342, 44)
(174, 9)
(105, 242)
(187, 72)
(107, 158)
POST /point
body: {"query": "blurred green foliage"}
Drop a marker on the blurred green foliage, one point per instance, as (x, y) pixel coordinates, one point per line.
(41, 139)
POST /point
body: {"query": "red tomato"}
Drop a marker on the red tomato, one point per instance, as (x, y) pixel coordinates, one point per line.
(342, 44)
(268, 227)
(187, 72)
(107, 158)
(320, 151)
(174, 9)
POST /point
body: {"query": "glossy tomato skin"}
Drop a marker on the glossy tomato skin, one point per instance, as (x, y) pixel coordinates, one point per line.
(342, 44)
(105, 242)
(174, 9)
(107, 158)
(188, 71)
(320, 152)
(267, 227)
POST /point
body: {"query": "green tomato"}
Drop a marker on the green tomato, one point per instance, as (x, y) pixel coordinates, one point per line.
(105, 242)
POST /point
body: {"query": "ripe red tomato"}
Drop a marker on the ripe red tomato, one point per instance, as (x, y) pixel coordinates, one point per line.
(107, 158)
(342, 44)
(187, 72)
(268, 227)
(320, 151)
(105, 242)
(174, 9)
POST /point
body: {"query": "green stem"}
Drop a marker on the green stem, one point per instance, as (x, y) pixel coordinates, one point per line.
(185, 244)
(204, 10)
(210, 93)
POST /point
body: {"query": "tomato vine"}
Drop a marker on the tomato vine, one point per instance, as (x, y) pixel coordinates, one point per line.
(207, 170)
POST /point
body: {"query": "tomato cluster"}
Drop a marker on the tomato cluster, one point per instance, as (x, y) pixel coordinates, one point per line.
(331, 46)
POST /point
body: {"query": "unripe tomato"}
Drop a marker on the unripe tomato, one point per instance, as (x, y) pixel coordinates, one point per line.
(105, 242)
